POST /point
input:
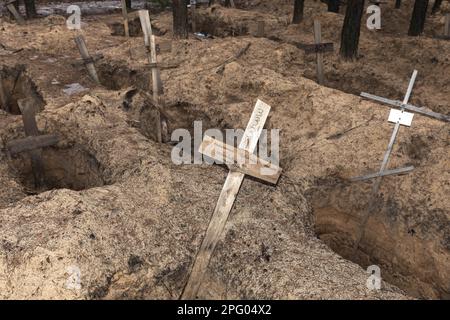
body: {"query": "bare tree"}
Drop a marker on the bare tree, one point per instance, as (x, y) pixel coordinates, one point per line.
(180, 19)
(351, 29)
(418, 18)
(299, 6)
(333, 5)
(436, 6)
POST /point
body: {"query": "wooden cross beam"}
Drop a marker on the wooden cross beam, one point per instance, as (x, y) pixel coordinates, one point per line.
(94, 58)
(228, 193)
(14, 12)
(319, 49)
(400, 118)
(88, 60)
(157, 85)
(33, 143)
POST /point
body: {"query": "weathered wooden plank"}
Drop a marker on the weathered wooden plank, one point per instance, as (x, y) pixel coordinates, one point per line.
(383, 174)
(447, 25)
(260, 29)
(240, 160)
(225, 203)
(125, 18)
(16, 14)
(31, 143)
(409, 107)
(316, 48)
(81, 44)
(95, 57)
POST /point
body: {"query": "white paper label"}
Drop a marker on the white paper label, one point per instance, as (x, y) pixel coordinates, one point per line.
(405, 118)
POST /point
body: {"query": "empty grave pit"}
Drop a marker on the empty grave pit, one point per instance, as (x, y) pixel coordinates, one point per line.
(117, 75)
(16, 84)
(64, 168)
(405, 258)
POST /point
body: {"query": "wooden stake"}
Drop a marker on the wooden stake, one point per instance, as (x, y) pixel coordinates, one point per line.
(3, 97)
(447, 25)
(224, 204)
(157, 86)
(16, 14)
(125, 18)
(260, 29)
(319, 54)
(31, 142)
(89, 62)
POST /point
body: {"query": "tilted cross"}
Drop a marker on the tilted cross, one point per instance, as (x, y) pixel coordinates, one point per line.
(33, 143)
(14, 12)
(253, 166)
(399, 117)
(319, 49)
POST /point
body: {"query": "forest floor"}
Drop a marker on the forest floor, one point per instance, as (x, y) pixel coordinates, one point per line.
(129, 221)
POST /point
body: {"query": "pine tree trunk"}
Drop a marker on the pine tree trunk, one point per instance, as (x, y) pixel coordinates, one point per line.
(398, 4)
(333, 5)
(180, 19)
(30, 8)
(436, 6)
(352, 29)
(418, 18)
(298, 11)
(128, 4)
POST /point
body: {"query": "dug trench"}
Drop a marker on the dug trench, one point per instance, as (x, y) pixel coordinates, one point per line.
(406, 237)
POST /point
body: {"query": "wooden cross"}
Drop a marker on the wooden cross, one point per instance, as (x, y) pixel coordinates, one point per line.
(399, 117)
(33, 143)
(319, 49)
(13, 10)
(253, 166)
(88, 60)
(157, 85)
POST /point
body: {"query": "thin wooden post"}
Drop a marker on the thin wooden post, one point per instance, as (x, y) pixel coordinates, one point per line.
(194, 15)
(89, 62)
(447, 25)
(3, 98)
(15, 13)
(125, 18)
(260, 29)
(319, 54)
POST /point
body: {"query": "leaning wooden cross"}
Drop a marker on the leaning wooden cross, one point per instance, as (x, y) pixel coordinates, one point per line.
(399, 117)
(319, 49)
(157, 85)
(87, 59)
(14, 12)
(33, 143)
(253, 166)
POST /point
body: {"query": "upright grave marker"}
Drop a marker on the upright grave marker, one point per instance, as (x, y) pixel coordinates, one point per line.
(319, 49)
(88, 60)
(33, 143)
(14, 12)
(399, 117)
(229, 191)
(157, 85)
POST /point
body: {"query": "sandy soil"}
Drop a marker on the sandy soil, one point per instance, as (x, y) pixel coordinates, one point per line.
(132, 221)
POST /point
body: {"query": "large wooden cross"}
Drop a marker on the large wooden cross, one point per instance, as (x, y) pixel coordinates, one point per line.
(399, 117)
(319, 49)
(33, 143)
(253, 166)
(157, 85)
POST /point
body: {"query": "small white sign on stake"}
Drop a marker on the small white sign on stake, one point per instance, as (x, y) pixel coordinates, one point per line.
(405, 118)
